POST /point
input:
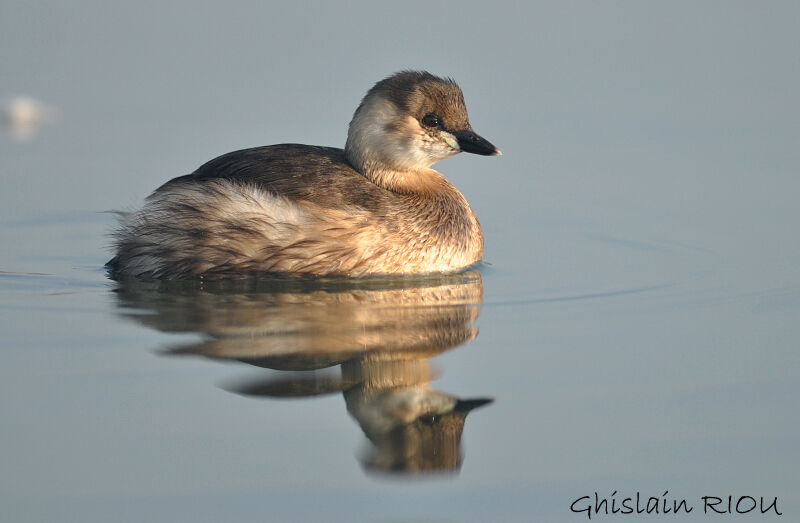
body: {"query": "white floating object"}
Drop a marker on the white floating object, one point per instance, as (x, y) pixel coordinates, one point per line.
(23, 116)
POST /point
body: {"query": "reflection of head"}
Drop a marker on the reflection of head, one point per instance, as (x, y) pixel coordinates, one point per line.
(430, 443)
(381, 331)
(412, 426)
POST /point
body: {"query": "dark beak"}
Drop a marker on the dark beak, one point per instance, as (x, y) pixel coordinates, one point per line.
(472, 143)
(468, 405)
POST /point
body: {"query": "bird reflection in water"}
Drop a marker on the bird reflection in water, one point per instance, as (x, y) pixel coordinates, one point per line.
(381, 333)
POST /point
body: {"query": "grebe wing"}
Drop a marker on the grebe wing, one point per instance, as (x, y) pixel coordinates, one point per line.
(316, 174)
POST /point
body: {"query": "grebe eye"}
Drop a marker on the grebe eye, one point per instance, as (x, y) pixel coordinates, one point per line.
(431, 120)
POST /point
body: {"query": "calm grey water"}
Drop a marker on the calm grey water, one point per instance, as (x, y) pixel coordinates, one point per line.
(636, 321)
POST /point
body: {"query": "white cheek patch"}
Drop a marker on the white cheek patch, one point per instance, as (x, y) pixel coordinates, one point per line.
(380, 131)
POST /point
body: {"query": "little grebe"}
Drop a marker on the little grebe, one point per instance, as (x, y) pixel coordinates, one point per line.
(375, 207)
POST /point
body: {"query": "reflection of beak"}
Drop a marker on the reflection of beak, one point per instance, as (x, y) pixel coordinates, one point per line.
(469, 142)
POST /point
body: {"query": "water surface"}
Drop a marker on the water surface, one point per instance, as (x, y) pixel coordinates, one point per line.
(634, 324)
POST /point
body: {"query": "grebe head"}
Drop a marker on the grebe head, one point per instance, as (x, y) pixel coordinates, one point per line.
(406, 123)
